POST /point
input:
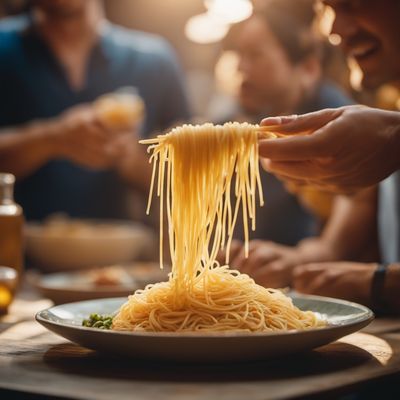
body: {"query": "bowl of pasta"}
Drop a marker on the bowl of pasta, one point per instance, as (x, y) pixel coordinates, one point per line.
(63, 244)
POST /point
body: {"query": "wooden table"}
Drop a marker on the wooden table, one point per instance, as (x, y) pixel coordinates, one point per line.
(37, 364)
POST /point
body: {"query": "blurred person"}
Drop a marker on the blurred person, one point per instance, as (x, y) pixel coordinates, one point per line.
(348, 149)
(54, 62)
(282, 73)
(369, 34)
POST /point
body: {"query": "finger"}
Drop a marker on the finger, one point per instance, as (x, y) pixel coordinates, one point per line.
(302, 123)
(259, 258)
(274, 275)
(320, 285)
(239, 260)
(251, 264)
(302, 275)
(255, 243)
(307, 170)
(235, 247)
(296, 148)
(98, 131)
(239, 257)
(265, 277)
(268, 252)
(294, 185)
(285, 178)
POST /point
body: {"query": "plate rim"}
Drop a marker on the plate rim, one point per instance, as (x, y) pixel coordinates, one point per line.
(38, 280)
(368, 317)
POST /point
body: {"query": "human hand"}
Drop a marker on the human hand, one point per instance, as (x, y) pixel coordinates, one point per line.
(344, 280)
(269, 264)
(235, 247)
(339, 150)
(79, 136)
(131, 161)
(123, 109)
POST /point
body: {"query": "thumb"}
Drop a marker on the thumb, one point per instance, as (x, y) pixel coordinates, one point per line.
(295, 148)
(305, 123)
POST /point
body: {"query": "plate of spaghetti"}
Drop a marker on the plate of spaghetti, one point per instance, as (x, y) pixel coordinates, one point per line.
(206, 311)
(341, 318)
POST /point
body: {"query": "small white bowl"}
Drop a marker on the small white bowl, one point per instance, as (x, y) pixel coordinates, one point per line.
(86, 244)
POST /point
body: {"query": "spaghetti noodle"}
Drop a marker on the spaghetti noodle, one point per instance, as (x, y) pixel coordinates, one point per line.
(197, 167)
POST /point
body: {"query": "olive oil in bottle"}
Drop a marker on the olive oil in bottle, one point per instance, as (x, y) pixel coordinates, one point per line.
(11, 226)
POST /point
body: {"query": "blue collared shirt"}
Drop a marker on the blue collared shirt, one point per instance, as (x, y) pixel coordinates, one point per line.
(33, 85)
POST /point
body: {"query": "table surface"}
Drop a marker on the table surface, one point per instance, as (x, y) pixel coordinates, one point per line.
(35, 361)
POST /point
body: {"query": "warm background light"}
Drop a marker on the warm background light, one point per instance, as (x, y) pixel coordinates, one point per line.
(204, 28)
(326, 16)
(229, 11)
(227, 76)
(356, 75)
(334, 39)
(388, 97)
(212, 26)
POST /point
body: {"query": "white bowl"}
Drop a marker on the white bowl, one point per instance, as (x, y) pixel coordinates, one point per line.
(86, 244)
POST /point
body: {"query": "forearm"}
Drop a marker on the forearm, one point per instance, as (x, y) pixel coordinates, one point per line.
(23, 150)
(348, 232)
(136, 170)
(353, 225)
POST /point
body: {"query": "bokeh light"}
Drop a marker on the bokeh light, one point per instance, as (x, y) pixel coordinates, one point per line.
(229, 11)
(204, 28)
(227, 76)
(356, 75)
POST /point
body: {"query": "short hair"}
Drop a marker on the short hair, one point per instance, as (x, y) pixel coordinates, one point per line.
(291, 22)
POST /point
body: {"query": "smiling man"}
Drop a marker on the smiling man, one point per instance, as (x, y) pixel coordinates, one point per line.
(369, 31)
(351, 148)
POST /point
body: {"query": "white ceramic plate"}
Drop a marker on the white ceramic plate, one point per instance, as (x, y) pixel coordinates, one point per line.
(65, 287)
(343, 318)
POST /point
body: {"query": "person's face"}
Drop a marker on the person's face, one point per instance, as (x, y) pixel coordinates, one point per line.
(370, 32)
(60, 8)
(265, 68)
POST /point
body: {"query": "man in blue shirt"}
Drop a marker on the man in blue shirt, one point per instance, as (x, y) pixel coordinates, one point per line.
(63, 54)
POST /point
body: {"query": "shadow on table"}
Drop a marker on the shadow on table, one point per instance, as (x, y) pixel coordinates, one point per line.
(71, 358)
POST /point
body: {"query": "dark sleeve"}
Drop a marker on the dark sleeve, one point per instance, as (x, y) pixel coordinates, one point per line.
(6, 95)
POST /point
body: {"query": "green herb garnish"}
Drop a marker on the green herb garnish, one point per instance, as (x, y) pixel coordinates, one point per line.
(98, 321)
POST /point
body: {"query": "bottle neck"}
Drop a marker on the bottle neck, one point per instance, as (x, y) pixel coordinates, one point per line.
(7, 194)
(6, 189)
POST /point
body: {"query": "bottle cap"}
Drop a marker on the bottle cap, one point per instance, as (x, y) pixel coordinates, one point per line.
(6, 178)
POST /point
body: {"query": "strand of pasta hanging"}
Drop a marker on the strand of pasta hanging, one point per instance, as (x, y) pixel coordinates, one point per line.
(201, 162)
(197, 168)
